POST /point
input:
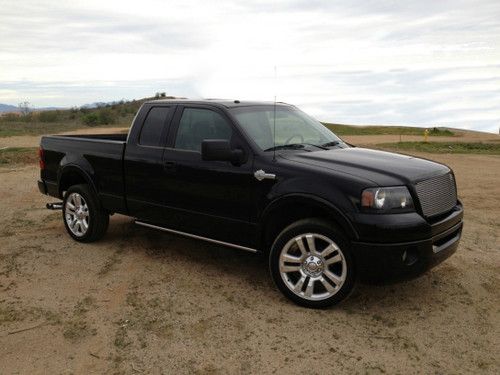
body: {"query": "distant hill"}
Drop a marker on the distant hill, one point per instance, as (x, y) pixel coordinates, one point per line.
(123, 102)
(4, 108)
(52, 121)
(8, 108)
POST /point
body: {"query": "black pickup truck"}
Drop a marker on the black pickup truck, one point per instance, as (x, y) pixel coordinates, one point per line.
(261, 177)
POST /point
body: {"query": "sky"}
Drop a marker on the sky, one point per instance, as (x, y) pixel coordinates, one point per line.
(426, 62)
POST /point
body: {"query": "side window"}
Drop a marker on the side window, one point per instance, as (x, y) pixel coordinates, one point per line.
(154, 124)
(198, 124)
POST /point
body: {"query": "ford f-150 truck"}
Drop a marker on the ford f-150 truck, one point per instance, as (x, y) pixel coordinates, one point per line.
(261, 177)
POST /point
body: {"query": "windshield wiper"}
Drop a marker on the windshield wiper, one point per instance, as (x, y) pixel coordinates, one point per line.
(318, 146)
(330, 144)
(291, 146)
(295, 146)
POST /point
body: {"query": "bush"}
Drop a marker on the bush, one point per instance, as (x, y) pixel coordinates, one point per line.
(103, 116)
(440, 132)
(48, 116)
(90, 119)
(29, 117)
(106, 117)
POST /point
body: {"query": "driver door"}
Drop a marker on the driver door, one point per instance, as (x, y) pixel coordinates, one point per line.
(208, 198)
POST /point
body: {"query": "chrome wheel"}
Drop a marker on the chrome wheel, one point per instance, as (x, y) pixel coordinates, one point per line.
(312, 266)
(76, 213)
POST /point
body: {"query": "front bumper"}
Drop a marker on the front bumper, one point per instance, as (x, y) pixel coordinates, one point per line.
(408, 259)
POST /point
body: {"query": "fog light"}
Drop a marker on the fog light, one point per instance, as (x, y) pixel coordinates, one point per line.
(409, 257)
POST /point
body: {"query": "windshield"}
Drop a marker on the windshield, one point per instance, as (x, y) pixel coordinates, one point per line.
(293, 128)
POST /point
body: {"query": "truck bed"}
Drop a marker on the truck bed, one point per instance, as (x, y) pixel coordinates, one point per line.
(101, 153)
(122, 137)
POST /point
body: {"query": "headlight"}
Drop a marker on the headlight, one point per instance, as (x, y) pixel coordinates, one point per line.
(387, 200)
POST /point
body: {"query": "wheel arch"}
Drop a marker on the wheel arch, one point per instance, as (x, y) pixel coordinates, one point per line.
(70, 175)
(287, 209)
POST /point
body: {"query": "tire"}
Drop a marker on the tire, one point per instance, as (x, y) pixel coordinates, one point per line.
(311, 263)
(83, 216)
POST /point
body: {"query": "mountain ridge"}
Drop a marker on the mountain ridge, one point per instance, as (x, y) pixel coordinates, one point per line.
(6, 108)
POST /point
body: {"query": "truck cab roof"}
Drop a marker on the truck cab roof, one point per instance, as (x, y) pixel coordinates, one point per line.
(227, 103)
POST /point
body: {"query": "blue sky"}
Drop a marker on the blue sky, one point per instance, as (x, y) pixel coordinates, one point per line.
(429, 63)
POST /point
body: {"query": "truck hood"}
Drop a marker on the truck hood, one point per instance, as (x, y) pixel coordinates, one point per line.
(380, 167)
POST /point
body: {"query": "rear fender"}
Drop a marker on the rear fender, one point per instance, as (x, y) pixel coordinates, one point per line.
(74, 170)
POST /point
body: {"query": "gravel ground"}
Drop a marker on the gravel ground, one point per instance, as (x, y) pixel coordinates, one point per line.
(141, 301)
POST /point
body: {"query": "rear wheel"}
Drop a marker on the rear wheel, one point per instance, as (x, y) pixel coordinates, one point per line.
(311, 263)
(83, 217)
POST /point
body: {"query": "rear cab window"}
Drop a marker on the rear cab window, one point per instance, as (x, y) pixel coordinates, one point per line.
(155, 127)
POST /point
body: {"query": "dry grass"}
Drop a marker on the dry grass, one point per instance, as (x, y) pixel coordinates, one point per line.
(18, 155)
(387, 130)
(443, 147)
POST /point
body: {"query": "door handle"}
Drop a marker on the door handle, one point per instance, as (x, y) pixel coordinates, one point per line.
(169, 166)
(261, 175)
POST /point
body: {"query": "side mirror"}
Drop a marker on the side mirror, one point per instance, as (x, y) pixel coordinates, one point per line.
(220, 150)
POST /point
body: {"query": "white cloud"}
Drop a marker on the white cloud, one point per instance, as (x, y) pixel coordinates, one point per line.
(413, 62)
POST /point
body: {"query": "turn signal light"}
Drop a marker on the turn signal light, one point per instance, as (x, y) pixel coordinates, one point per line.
(367, 198)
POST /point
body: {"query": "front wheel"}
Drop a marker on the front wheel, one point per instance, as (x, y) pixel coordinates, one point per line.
(83, 216)
(311, 263)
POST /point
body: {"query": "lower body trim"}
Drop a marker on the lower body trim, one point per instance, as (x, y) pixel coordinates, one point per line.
(196, 237)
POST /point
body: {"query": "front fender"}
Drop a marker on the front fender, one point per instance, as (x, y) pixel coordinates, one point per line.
(335, 213)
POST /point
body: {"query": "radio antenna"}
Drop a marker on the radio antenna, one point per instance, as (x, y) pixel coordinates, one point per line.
(274, 112)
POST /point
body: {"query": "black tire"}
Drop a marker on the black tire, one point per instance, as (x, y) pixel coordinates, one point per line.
(328, 293)
(97, 220)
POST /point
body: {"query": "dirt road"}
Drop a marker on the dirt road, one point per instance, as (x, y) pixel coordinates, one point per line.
(140, 301)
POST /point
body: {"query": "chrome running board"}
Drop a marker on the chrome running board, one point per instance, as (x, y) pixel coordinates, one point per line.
(196, 237)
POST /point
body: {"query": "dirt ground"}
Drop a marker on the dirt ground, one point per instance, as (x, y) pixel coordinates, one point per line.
(465, 136)
(141, 301)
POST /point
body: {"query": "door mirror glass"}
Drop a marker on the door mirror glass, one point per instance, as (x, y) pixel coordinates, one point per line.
(220, 150)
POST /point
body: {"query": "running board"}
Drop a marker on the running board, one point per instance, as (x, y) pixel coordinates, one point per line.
(196, 237)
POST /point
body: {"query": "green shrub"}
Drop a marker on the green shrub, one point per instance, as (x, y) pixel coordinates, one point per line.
(106, 116)
(29, 117)
(90, 119)
(441, 132)
(103, 116)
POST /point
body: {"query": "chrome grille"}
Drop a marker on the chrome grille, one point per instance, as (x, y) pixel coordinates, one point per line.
(437, 195)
